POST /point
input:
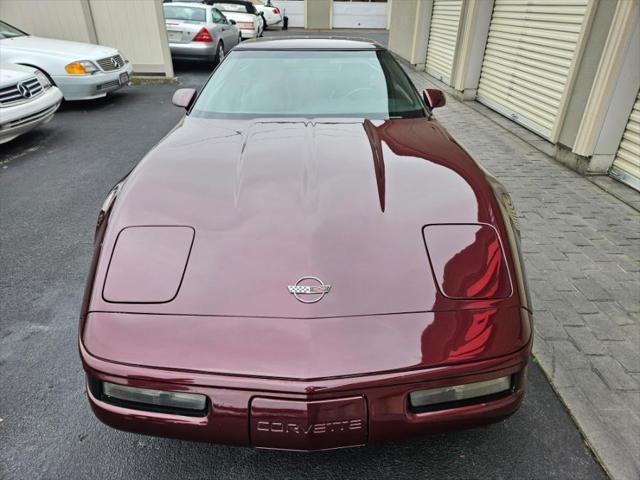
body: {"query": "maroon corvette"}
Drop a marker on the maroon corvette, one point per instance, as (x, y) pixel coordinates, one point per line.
(307, 261)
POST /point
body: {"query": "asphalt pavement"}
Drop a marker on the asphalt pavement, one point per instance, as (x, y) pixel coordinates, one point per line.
(52, 183)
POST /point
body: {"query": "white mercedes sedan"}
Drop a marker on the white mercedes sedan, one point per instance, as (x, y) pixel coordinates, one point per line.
(27, 100)
(82, 71)
(271, 14)
(199, 32)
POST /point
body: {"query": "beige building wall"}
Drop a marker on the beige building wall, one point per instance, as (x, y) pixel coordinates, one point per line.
(65, 19)
(401, 27)
(318, 13)
(587, 68)
(409, 23)
(476, 17)
(135, 27)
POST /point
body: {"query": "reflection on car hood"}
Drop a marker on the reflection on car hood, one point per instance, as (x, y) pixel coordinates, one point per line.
(64, 49)
(273, 201)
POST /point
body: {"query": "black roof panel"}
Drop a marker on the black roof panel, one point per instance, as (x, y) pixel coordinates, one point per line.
(310, 43)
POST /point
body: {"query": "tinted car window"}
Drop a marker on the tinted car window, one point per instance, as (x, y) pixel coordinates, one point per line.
(185, 14)
(7, 31)
(235, 7)
(360, 84)
(217, 16)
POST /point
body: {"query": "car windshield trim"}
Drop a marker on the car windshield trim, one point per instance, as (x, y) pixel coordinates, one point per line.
(321, 84)
(7, 28)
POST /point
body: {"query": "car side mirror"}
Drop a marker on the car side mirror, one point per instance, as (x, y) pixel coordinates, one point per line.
(183, 97)
(434, 98)
(232, 22)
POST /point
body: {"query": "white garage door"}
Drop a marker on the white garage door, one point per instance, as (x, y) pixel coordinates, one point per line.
(530, 49)
(359, 14)
(626, 166)
(443, 37)
(294, 9)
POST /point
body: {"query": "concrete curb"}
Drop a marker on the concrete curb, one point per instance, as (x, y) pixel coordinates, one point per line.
(144, 80)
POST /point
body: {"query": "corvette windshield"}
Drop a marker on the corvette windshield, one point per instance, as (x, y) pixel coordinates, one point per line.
(309, 84)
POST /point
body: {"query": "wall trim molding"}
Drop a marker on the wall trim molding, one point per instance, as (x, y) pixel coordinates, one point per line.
(473, 43)
(615, 48)
(88, 18)
(573, 71)
(467, 30)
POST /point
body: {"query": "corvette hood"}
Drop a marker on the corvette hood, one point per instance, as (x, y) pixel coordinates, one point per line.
(269, 202)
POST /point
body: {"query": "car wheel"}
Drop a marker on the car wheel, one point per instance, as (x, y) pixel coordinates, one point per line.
(220, 53)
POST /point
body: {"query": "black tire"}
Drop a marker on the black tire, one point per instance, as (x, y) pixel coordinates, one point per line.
(220, 53)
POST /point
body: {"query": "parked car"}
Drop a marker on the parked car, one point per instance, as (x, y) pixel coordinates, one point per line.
(247, 18)
(82, 71)
(199, 32)
(27, 100)
(305, 268)
(271, 14)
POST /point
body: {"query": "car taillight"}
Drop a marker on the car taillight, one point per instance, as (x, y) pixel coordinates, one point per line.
(203, 36)
(276, 11)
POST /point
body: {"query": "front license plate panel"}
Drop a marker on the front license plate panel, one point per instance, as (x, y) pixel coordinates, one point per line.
(313, 425)
(124, 78)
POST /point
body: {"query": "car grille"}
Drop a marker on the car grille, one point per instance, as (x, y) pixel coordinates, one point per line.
(111, 63)
(34, 117)
(11, 95)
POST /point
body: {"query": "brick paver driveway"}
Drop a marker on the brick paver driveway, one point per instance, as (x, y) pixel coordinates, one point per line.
(582, 254)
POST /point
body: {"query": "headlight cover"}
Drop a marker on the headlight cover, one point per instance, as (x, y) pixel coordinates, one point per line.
(42, 78)
(81, 67)
(148, 264)
(467, 261)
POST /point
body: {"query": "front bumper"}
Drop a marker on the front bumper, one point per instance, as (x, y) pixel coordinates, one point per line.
(245, 34)
(19, 119)
(87, 87)
(306, 415)
(193, 51)
(274, 22)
